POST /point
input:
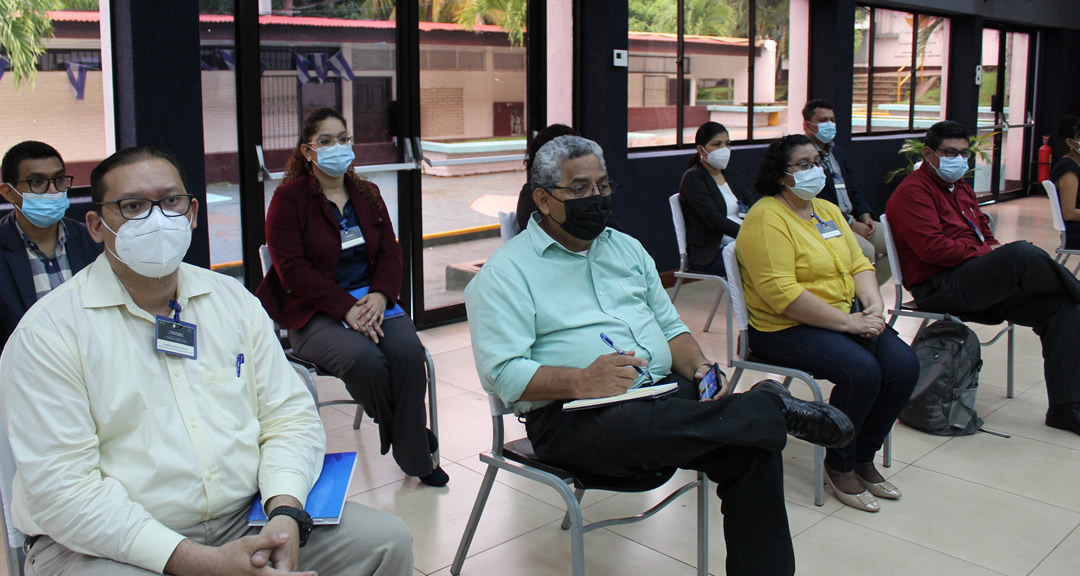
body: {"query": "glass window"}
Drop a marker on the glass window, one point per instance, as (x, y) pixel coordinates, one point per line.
(735, 69)
(472, 129)
(65, 105)
(901, 63)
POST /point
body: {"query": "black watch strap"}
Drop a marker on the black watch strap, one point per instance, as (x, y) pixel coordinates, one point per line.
(303, 520)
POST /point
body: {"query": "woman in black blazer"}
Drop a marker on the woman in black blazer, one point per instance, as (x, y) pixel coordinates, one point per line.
(714, 199)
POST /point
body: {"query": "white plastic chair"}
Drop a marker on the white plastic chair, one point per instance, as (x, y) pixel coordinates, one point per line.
(1058, 220)
(901, 309)
(508, 226)
(740, 359)
(684, 261)
(518, 458)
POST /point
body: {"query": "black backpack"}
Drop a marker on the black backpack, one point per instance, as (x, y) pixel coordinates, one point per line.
(944, 399)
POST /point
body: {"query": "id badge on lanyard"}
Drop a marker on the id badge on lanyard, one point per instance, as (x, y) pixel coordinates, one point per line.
(828, 229)
(351, 236)
(175, 337)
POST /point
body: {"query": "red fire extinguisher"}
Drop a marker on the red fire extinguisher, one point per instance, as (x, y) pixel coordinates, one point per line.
(1044, 159)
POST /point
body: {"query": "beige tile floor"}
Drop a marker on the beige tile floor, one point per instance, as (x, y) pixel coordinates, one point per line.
(976, 505)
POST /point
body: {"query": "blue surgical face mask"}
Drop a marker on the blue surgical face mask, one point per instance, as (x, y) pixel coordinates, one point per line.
(951, 169)
(334, 160)
(826, 131)
(43, 210)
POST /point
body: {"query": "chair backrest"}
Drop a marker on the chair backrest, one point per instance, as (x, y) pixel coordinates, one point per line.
(15, 538)
(498, 410)
(264, 259)
(736, 304)
(890, 245)
(680, 229)
(1055, 206)
(508, 226)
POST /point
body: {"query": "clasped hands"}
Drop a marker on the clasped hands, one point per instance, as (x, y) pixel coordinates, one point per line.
(868, 323)
(366, 316)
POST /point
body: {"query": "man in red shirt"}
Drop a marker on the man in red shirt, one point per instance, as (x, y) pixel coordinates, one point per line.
(951, 262)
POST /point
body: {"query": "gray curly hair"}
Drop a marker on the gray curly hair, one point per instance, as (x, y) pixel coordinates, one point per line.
(547, 165)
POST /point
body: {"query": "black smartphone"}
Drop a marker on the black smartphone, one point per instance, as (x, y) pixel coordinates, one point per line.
(709, 386)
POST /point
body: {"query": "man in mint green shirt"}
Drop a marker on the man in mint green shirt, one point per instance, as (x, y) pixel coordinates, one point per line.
(536, 311)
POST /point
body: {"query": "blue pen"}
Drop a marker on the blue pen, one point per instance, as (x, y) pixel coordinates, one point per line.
(618, 351)
(239, 361)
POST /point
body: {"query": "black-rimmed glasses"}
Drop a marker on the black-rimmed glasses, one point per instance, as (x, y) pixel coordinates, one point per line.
(41, 185)
(139, 208)
(582, 190)
(966, 153)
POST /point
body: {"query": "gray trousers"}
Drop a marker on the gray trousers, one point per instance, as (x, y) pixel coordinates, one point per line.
(874, 249)
(366, 542)
(388, 378)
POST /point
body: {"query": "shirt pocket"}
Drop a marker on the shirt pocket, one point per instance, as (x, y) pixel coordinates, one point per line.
(232, 402)
(630, 292)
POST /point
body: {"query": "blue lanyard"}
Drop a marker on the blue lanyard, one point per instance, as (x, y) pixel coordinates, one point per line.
(175, 307)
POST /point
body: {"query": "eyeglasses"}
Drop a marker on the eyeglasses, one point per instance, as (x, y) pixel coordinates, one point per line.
(966, 153)
(139, 208)
(583, 190)
(806, 165)
(41, 185)
(328, 141)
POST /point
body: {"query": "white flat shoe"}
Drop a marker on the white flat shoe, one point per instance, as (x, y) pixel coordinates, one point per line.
(864, 500)
(883, 489)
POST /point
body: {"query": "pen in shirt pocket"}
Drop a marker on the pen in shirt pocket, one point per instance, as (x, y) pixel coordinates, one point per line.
(239, 362)
(619, 351)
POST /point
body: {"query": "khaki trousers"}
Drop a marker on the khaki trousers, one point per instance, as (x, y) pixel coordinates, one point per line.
(874, 249)
(366, 542)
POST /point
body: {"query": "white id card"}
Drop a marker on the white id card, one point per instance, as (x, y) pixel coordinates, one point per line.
(351, 237)
(828, 229)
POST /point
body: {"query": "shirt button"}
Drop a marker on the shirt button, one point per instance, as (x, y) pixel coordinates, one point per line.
(176, 373)
(601, 292)
(194, 423)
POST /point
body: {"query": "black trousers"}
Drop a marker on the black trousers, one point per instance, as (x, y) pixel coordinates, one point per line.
(388, 378)
(1019, 282)
(871, 383)
(736, 441)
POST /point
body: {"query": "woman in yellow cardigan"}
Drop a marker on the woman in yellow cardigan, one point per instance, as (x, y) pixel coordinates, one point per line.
(802, 271)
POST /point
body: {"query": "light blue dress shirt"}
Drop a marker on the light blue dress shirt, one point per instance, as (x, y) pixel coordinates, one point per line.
(535, 303)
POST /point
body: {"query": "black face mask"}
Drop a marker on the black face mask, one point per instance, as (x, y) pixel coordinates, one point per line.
(586, 217)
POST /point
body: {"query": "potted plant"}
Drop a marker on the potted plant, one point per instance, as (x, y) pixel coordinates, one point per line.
(912, 151)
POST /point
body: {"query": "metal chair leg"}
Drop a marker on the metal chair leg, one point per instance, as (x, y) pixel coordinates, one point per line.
(433, 408)
(703, 525)
(578, 494)
(1009, 362)
(675, 294)
(886, 451)
(474, 520)
(819, 476)
(359, 416)
(712, 313)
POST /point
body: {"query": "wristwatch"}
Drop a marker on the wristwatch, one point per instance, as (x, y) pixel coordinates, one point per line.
(303, 520)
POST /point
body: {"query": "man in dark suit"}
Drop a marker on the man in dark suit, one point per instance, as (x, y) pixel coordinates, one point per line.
(40, 248)
(819, 124)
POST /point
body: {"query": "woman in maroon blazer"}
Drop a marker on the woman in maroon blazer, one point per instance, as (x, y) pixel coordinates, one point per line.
(336, 272)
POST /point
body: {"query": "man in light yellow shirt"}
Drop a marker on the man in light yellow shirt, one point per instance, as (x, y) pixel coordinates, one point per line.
(147, 401)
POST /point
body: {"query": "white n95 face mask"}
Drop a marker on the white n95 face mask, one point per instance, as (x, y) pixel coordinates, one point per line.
(153, 246)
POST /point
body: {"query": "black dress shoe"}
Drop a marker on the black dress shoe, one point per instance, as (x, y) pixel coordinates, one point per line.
(815, 422)
(1064, 417)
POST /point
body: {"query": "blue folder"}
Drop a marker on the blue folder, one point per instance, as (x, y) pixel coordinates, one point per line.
(394, 312)
(326, 499)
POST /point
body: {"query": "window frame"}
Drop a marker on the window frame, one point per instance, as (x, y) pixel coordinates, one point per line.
(871, 33)
(682, 93)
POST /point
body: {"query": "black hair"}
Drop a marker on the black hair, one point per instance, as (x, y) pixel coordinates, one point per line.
(132, 155)
(543, 137)
(774, 163)
(705, 133)
(28, 150)
(1068, 127)
(812, 105)
(942, 131)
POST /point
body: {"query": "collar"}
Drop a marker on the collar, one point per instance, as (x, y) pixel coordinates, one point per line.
(541, 240)
(827, 149)
(102, 288)
(61, 236)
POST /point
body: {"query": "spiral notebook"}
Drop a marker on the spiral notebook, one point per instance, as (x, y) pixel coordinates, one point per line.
(655, 391)
(326, 499)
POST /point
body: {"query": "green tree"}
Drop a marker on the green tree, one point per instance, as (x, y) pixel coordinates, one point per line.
(24, 26)
(701, 17)
(510, 15)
